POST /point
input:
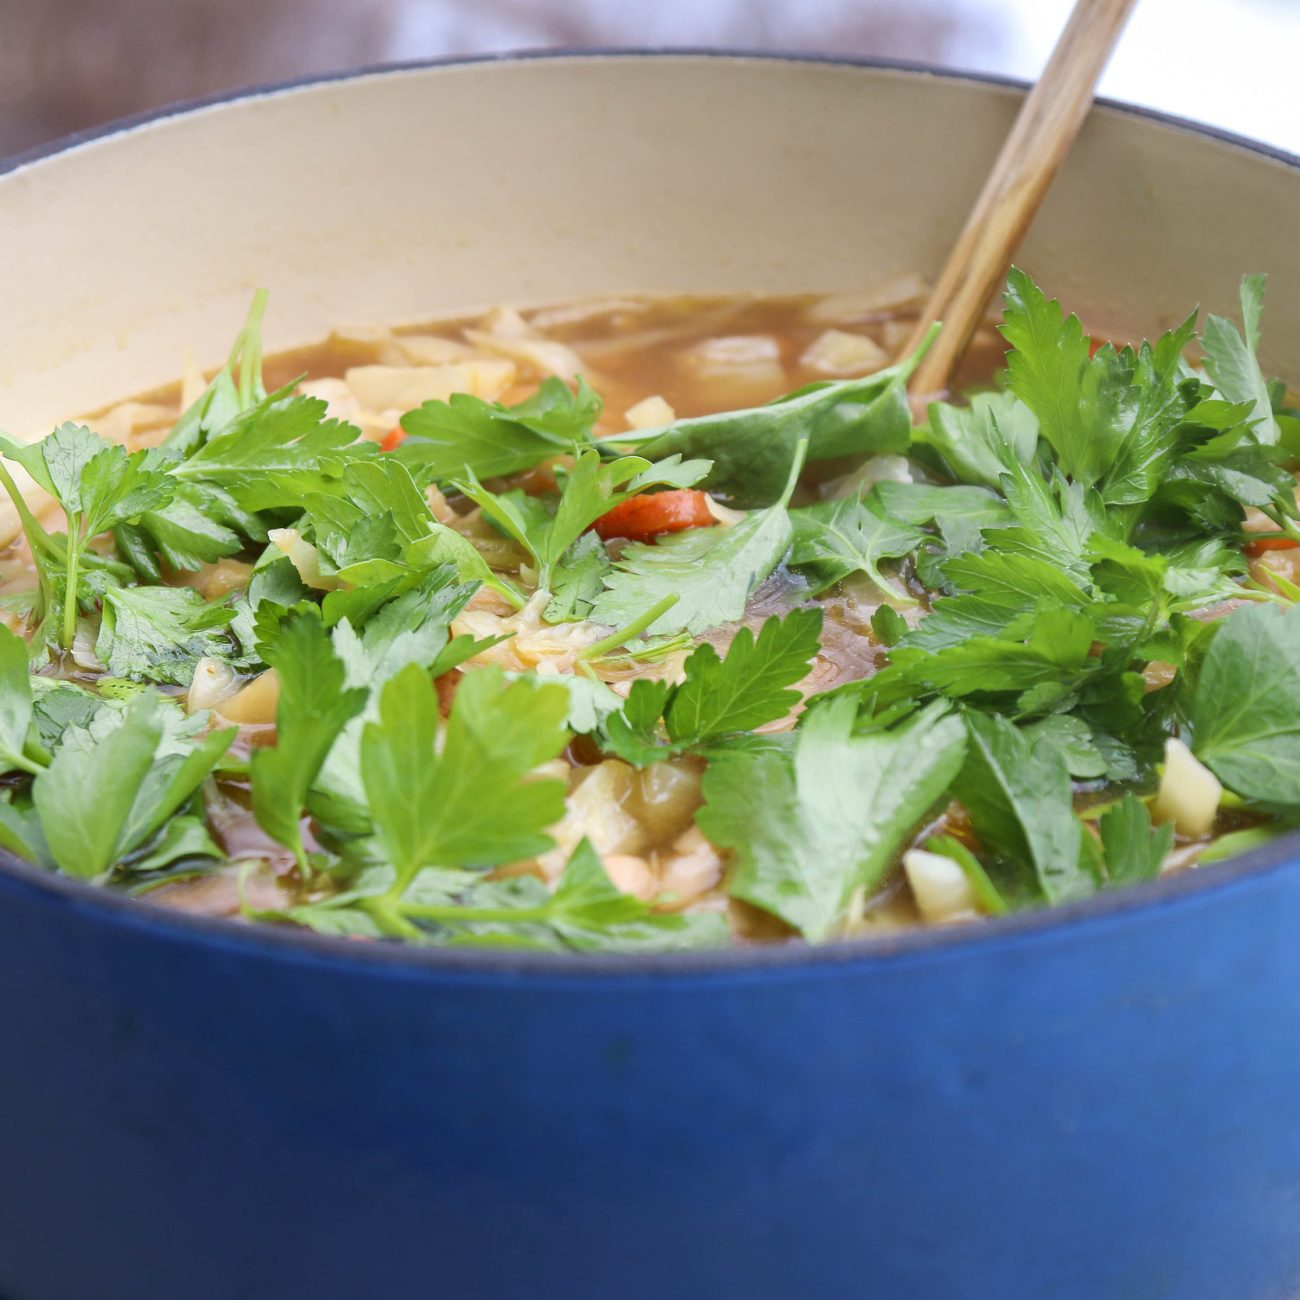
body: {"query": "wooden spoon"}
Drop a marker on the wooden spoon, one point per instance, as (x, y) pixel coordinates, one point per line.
(1042, 135)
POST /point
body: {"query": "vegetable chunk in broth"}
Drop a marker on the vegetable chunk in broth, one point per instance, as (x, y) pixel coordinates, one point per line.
(653, 623)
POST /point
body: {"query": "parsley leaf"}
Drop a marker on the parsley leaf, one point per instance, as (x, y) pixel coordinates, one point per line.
(1016, 788)
(1133, 850)
(451, 906)
(473, 803)
(577, 580)
(964, 437)
(140, 772)
(810, 831)
(16, 707)
(711, 571)
(312, 710)
(1079, 412)
(1232, 364)
(1246, 707)
(837, 538)
(99, 487)
(718, 697)
(272, 455)
(751, 449)
(590, 489)
(466, 435)
(235, 388)
(158, 634)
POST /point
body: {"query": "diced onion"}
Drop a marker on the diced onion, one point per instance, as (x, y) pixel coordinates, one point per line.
(901, 291)
(213, 682)
(1189, 792)
(304, 557)
(725, 515)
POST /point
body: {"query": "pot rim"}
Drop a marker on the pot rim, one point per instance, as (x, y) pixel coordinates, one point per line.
(1133, 904)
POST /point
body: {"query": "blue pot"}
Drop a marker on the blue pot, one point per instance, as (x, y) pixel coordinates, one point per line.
(1097, 1105)
(1102, 1103)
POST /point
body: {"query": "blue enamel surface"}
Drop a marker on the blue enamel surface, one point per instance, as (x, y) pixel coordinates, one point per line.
(1097, 1109)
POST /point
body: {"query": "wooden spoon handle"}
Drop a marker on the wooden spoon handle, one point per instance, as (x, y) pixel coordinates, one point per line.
(1042, 135)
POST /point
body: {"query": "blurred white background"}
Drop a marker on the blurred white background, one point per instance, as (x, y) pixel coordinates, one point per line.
(67, 64)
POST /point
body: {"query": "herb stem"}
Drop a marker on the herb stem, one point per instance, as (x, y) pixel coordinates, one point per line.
(70, 595)
(634, 628)
(248, 351)
(388, 914)
(36, 535)
(450, 912)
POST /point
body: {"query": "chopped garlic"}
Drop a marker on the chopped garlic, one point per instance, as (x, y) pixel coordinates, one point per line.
(837, 352)
(1189, 792)
(939, 886)
(649, 413)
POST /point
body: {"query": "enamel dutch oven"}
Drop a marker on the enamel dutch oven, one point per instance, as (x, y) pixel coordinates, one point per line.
(1101, 1103)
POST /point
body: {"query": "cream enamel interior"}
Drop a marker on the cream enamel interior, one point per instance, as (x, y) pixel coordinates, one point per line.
(398, 195)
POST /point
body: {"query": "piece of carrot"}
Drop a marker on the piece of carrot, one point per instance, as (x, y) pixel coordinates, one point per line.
(643, 518)
(1258, 545)
(393, 440)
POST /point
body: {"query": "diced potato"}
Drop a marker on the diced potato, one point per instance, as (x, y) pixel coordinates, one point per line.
(649, 413)
(253, 705)
(690, 868)
(1189, 792)
(837, 352)
(597, 809)
(401, 388)
(939, 886)
(632, 875)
